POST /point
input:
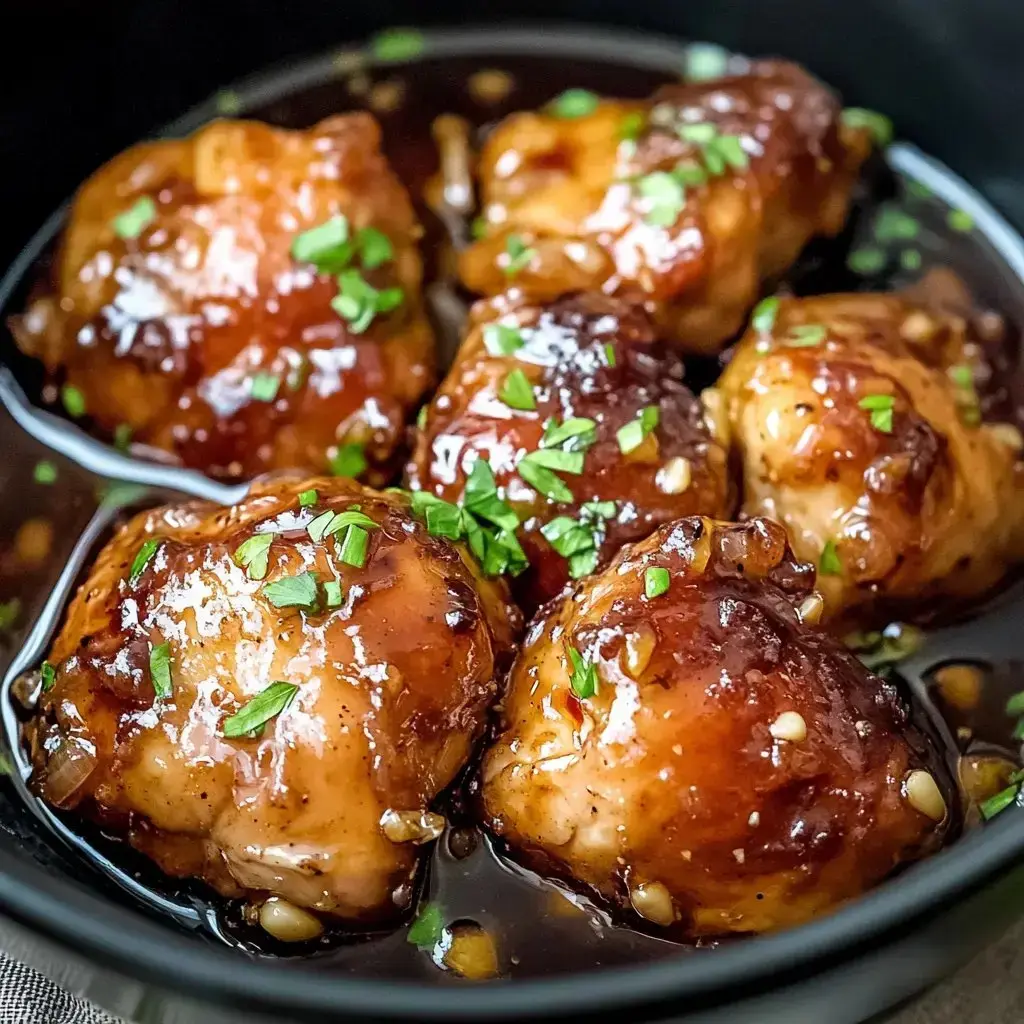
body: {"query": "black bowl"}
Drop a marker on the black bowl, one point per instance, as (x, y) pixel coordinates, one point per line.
(89, 930)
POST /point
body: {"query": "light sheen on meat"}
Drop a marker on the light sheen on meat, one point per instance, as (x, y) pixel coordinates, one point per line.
(921, 507)
(178, 332)
(571, 192)
(741, 767)
(587, 357)
(393, 687)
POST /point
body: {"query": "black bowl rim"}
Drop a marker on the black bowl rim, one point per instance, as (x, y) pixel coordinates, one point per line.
(127, 941)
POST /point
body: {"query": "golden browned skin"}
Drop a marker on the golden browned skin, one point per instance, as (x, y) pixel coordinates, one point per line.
(905, 510)
(588, 357)
(383, 717)
(181, 333)
(734, 771)
(596, 210)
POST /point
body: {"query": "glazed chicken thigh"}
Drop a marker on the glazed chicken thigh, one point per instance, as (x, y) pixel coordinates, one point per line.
(677, 739)
(239, 692)
(686, 202)
(585, 429)
(858, 423)
(243, 299)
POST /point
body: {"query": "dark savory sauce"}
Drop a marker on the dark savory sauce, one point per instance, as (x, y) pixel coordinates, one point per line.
(536, 926)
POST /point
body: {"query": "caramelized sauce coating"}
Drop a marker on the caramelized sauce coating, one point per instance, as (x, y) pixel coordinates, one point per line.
(587, 357)
(858, 424)
(734, 771)
(383, 718)
(592, 200)
(203, 334)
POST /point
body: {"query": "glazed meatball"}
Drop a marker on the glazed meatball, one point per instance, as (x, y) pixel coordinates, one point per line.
(677, 739)
(238, 691)
(858, 424)
(586, 427)
(243, 299)
(686, 202)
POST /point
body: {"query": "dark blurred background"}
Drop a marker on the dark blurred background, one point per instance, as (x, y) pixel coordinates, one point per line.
(82, 80)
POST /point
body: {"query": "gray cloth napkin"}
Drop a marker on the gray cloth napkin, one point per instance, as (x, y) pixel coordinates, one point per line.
(26, 997)
(989, 990)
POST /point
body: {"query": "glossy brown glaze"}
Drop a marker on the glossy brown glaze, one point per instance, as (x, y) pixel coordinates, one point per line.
(167, 332)
(591, 357)
(676, 778)
(571, 190)
(384, 717)
(925, 512)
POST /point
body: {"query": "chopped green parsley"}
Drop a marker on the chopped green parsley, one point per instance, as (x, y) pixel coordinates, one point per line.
(579, 540)
(574, 103)
(583, 676)
(142, 558)
(298, 591)
(348, 460)
(264, 386)
(255, 714)
(396, 45)
(878, 125)
(135, 220)
(484, 520)
(829, 563)
(74, 401)
(764, 315)
(502, 339)
(880, 407)
(806, 335)
(426, 931)
(656, 581)
(45, 472)
(632, 435)
(253, 555)
(160, 670)
(518, 255)
(517, 391)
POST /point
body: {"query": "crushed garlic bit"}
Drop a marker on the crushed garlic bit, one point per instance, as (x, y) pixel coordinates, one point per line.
(702, 547)
(349, 62)
(388, 96)
(918, 326)
(811, 609)
(923, 794)
(715, 415)
(359, 84)
(411, 826)
(287, 922)
(960, 685)
(653, 902)
(983, 776)
(640, 644)
(1008, 434)
(675, 476)
(490, 85)
(470, 952)
(33, 542)
(790, 725)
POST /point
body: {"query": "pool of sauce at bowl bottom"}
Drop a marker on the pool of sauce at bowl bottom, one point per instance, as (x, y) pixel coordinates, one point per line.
(537, 926)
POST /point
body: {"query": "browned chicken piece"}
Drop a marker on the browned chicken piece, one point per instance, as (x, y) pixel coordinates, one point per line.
(238, 691)
(195, 304)
(586, 430)
(858, 424)
(677, 739)
(687, 202)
